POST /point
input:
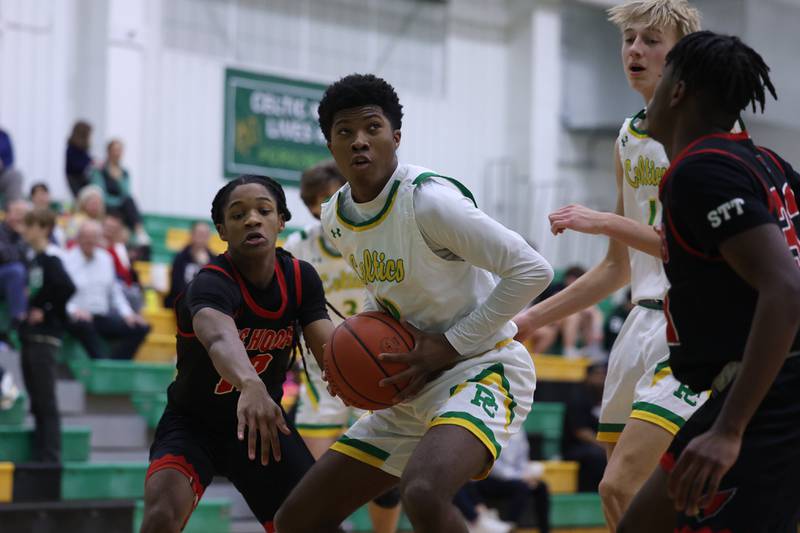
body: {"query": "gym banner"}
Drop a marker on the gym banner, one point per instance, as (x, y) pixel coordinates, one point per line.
(271, 126)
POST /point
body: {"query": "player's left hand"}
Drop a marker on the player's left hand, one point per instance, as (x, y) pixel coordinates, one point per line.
(577, 218)
(431, 353)
(695, 480)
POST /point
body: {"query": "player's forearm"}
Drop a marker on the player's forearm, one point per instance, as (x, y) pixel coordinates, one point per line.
(634, 234)
(608, 276)
(317, 334)
(231, 361)
(775, 324)
(517, 287)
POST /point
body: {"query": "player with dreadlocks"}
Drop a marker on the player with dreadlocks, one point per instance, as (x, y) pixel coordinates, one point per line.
(238, 324)
(731, 250)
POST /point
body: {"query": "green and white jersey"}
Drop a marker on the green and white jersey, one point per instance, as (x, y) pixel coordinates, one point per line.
(391, 256)
(342, 287)
(644, 163)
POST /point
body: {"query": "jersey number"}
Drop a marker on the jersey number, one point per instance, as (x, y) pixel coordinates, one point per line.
(351, 307)
(260, 363)
(787, 210)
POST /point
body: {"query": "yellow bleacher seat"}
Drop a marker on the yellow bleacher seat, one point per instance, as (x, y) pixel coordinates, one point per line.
(561, 476)
(6, 482)
(557, 368)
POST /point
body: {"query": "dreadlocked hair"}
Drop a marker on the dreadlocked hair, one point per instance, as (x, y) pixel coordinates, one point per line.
(221, 198)
(728, 73)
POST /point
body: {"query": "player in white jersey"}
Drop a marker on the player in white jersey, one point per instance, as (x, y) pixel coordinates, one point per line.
(321, 418)
(643, 404)
(427, 255)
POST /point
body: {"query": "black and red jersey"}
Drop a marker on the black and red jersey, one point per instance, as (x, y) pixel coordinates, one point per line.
(266, 320)
(717, 187)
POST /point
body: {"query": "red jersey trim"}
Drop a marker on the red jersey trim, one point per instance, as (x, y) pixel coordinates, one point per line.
(179, 463)
(269, 527)
(298, 282)
(684, 154)
(667, 462)
(219, 269)
(248, 298)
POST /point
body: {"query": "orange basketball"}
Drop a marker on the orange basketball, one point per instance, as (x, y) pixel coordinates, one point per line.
(351, 359)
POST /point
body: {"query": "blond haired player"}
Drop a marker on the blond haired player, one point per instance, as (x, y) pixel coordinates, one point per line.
(322, 418)
(643, 404)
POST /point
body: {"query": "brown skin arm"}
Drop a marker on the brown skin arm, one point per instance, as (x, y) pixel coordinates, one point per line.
(317, 334)
(760, 256)
(256, 411)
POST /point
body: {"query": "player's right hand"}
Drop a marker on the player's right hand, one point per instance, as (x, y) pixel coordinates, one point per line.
(577, 218)
(258, 414)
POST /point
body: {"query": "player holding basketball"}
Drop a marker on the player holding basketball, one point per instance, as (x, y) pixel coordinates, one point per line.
(730, 210)
(643, 404)
(322, 418)
(238, 325)
(471, 385)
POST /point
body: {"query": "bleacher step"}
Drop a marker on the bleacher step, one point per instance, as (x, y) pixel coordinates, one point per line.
(119, 455)
(88, 516)
(15, 443)
(81, 481)
(71, 396)
(113, 431)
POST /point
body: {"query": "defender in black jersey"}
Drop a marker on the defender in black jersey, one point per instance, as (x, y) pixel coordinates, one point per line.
(731, 247)
(238, 326)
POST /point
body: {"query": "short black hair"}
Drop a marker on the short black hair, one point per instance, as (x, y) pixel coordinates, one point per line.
(221, 198)
(724, 71)
(39, 185)
(316, 178)
(358, 90)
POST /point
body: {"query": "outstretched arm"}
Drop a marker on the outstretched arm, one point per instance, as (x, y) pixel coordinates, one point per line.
(256, 411)
(615, 225)
(612, 273)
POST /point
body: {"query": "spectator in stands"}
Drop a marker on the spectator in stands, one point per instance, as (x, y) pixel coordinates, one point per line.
(99, 308)
(10, 178)
(78, 160)
(40, 199)
(90, 206)
(517, 480)
(114, 181)
(615, 320)
(579, 442)
(584, 328)
(12, 267)
(50, 287)
(479, 517)
(189, 261)
(115, 237)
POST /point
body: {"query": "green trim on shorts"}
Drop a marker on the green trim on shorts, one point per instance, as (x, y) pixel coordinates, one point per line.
(657, 410)
(498, 369)
(610, 428)
(661, 366)
(477, 423)
(365, 447)
(319, 426)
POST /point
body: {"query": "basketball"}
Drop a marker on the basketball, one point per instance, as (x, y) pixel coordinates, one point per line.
(351, 359)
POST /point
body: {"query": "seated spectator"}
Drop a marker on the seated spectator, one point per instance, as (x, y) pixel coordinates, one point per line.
(115, 236)
(479, 517)
(90, 206)
(579, 442)
(40, 199)
(10, 178)
(99, 308)
(189, 261)
(78, 160)
(584, 328)
(615, 321)
(13, 276)
(114, 180)
(50, 288)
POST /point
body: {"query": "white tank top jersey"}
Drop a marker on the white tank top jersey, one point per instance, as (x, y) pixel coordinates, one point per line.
(343, 289)
(401, 272)
(644, 163)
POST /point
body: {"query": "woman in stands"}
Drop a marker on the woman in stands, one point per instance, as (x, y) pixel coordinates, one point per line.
(238, 324)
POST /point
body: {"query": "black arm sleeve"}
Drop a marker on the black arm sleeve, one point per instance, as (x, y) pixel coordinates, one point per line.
(715, 197)
(312, 307)
(214, 290)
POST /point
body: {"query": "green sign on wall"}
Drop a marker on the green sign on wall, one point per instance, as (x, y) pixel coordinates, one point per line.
(271, 126)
